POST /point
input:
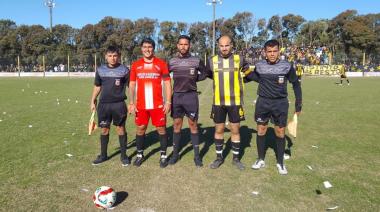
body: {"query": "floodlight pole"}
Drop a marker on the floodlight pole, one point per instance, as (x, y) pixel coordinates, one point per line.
(213, 27)
(18, 65)
(51, 18)
(95, 64)
(213, 3)
(51, 5)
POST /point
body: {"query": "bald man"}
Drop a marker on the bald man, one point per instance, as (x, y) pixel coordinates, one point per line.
(226, 71)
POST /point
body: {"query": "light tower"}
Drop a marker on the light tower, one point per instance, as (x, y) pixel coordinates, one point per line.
(51, 5)
(213, 3)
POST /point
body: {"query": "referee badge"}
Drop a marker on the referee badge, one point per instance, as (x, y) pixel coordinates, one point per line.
(117, 82)
(192, 71)
(281, 79)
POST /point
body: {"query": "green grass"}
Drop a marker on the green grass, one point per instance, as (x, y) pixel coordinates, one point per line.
(36, 174)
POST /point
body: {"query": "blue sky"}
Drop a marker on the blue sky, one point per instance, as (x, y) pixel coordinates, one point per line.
(78, 13)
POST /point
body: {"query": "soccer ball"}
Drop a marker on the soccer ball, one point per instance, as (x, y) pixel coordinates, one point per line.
(104, 197)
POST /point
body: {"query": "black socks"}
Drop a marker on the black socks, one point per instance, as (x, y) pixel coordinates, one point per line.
(103, 145)
(140, 144)
(123, 145)
(280, 142)
(260, 142)
(163, 144)
(219, 147)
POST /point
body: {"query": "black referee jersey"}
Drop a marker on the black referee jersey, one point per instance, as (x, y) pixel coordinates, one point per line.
(113, 82)
(273, 78)
(186, 71)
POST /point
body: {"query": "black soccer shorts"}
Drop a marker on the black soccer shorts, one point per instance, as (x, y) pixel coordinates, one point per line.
(112, 112)
(275, 109)
(185, 104)
(235, 113)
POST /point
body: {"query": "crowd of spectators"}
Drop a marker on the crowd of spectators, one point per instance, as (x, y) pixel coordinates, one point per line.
(39, 68)
(307, 56)
(311, 55)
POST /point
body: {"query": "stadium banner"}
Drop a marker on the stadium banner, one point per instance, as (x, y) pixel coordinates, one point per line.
(31, 74)
(371, 74)
(328, 70)
(82, 74)
(56, 74)
(354, 74)
(8, 74)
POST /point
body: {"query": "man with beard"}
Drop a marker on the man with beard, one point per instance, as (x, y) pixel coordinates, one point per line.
(187, 70)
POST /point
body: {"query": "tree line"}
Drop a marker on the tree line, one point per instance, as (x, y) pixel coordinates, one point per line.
(348, 36)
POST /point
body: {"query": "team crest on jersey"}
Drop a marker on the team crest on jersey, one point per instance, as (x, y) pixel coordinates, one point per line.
(241, 112)
(117, 82)
(157, 67)
(192, 71)
(281, 79)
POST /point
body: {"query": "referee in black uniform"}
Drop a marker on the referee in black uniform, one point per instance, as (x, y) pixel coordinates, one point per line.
(226, 70)
(272, 75)
(187, 70)
(110, 83)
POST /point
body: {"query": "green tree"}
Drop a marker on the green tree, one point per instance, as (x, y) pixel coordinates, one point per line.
(245, 27)
(313, 33)
(357, 33)
(292, 24)
(198, 35)
(143, 27)
(9, 47)
(274, 24)
(262, 34)
(168, 35)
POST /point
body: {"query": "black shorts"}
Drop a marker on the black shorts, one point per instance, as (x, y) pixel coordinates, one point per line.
(219, 113)
(274, 109)
(185, 104)
(108, 112)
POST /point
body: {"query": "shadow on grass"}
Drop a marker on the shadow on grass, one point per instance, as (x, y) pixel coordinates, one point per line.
(208, 140)
(185, 140)
(120, 197)
(206, 137)
(151, 138)
(245, 139)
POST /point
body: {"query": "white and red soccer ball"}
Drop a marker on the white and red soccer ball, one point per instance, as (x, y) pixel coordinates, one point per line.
(104, 197)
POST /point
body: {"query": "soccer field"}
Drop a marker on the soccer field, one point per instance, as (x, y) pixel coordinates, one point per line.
(42, 120)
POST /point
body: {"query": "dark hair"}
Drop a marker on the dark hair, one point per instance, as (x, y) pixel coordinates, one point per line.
(112, 49)
(184, 37)
(148, 40)
(271, 43)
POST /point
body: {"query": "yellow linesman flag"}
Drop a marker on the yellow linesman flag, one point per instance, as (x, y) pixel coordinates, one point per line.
(292, 126)
(92, 124)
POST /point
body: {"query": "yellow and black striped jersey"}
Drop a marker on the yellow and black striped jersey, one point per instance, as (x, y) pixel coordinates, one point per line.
(227, 74)
(299, 69)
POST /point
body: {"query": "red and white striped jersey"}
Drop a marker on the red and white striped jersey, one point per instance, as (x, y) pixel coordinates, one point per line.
(148, 78)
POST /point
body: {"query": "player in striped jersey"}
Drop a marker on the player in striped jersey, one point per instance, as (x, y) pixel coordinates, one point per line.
(147, 76)
(226, 71)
